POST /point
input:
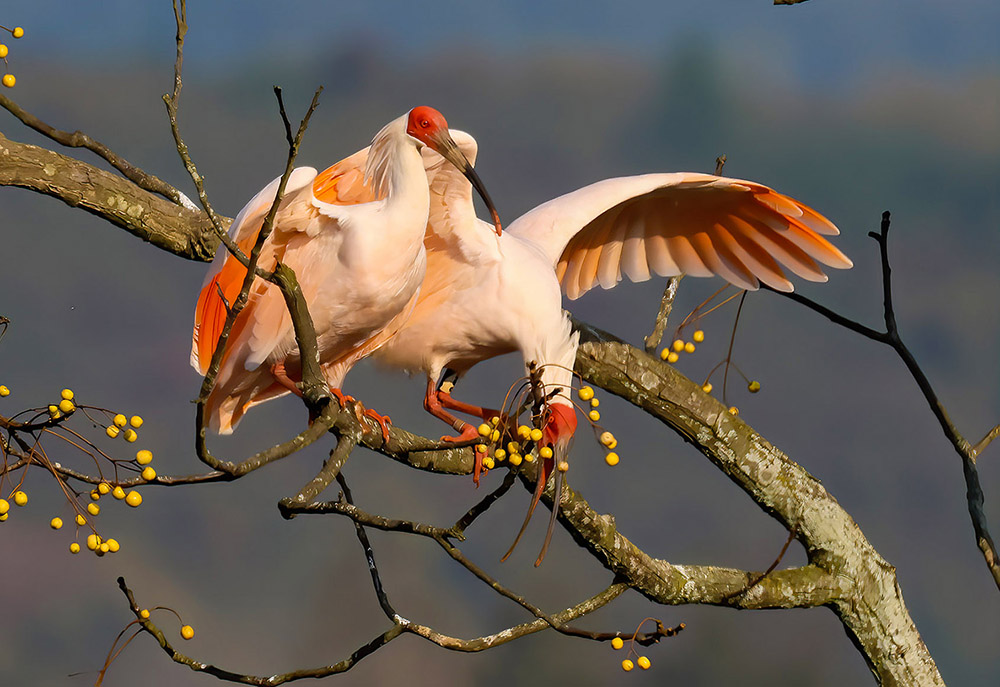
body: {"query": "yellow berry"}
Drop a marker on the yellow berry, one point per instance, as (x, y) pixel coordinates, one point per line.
(104, 547)
(524, 432)
(148, 474)
(113, 545)
(585, 393)
(130, 435)
(515, 459)
(545, 452)
(594, 416)
(484, 430)
(120, 420)
(80, 520)
(3, 51)
(754, 386)
(66, 406)
(20, 498)
(488, 463)
(74, 548)
(500, 454)
(144, 457)
(495, 435)
(689, 347)
(54, 412)
(17, 32)
(4, 506)
(672, 357)
(733, 410)
(95, 495)
(187, 632)
(135, 421)
(112, 432)
(643, 663)
(513, 447)
(480, 448)
(93, 542)
(3, 518)
(9, 80)
(55, 523)
(611, 459)
(563, 466)
(627, 665)
(698, 336)
(707, 387)
(67, 394)
(133, 499)
(144, 614)
(607, 438)
(617, 643)
(4, 391)
(118, 493)
(104, 488)
(529, 457)
(93, 508)
(664, 354)
(494, 421)
(536, 434)
(678, 345)
(594, 402)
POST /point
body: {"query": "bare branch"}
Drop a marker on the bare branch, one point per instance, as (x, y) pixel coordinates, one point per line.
(655, 338)
(966, 451)
(78, 139)
(268, 681)
(157, 221)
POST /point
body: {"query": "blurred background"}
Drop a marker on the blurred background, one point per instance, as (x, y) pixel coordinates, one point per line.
(853, 107)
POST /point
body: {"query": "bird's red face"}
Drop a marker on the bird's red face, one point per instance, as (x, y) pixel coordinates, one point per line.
(428, 126)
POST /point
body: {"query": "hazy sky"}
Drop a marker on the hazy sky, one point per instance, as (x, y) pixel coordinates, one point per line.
(926, 34)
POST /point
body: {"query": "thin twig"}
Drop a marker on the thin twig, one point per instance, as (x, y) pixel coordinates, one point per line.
(653, 341)
(966, 451)
(78, 139)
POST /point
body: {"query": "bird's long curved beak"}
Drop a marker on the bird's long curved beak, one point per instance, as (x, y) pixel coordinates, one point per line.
(444, 144)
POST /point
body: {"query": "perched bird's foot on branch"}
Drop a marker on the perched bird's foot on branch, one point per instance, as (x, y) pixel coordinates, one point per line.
(281, 376)
(342, 398)
(383, 421)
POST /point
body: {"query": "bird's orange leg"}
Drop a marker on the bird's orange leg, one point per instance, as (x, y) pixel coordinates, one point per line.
(476, 411)
(282, 378)
(433, 405)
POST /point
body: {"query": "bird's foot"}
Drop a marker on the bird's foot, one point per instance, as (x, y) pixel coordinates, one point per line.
(383, 421)
(281, 376)
(467, 433)
(341, 397)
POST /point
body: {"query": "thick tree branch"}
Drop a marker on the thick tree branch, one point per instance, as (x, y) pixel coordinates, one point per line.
(78, 139)
(151, 218)
(863, 587)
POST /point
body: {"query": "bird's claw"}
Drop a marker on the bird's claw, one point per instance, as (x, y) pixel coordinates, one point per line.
(383, 421)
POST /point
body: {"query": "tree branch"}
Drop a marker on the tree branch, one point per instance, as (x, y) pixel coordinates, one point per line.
(155, 220)
(78, 139)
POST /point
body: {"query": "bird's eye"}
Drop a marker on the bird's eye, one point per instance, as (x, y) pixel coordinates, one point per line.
(424, 123)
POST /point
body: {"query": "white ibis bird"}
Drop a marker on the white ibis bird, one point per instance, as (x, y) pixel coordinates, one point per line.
(359, 259)
(485, 295)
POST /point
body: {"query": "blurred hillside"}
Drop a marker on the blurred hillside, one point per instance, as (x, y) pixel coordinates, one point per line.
(94, 309)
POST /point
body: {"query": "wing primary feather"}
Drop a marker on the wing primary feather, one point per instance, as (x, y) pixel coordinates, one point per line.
(634, 261)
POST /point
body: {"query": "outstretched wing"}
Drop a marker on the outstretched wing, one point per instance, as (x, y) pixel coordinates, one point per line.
(668, 224)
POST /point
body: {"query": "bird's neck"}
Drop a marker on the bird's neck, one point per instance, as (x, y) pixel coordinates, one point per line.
(395, 168)
(554, 350)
